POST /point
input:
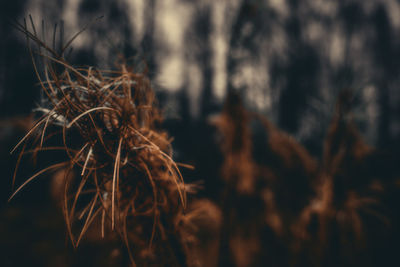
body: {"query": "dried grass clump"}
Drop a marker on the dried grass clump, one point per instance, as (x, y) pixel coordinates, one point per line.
(242, 212)
(201, 227)
(268, 176)
(238, 166)
(283, 207)
(348, 213)
(107, 124)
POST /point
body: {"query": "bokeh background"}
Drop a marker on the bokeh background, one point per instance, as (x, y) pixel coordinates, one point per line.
(288, 59)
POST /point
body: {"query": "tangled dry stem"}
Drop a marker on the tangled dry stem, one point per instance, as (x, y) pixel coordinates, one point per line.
(106, 122)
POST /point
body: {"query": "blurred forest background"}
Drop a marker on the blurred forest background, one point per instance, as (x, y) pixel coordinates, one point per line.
(288, 60)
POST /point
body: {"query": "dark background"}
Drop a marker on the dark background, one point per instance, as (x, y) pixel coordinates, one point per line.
(288, 59)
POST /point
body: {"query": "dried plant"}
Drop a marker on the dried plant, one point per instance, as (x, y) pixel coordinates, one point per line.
(119, 168)
(236, 145)
(348, 195)
(268, 176)
(278, 198)
(278, 205)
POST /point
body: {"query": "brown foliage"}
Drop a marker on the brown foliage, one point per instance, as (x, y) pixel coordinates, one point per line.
(278, 206)
(348, 198)
(260, 194)
(119, 169)
(282, 207)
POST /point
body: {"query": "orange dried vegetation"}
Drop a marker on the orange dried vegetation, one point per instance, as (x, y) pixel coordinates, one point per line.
(124, 175)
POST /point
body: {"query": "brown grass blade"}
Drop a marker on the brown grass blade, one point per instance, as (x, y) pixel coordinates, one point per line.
(58, 165)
